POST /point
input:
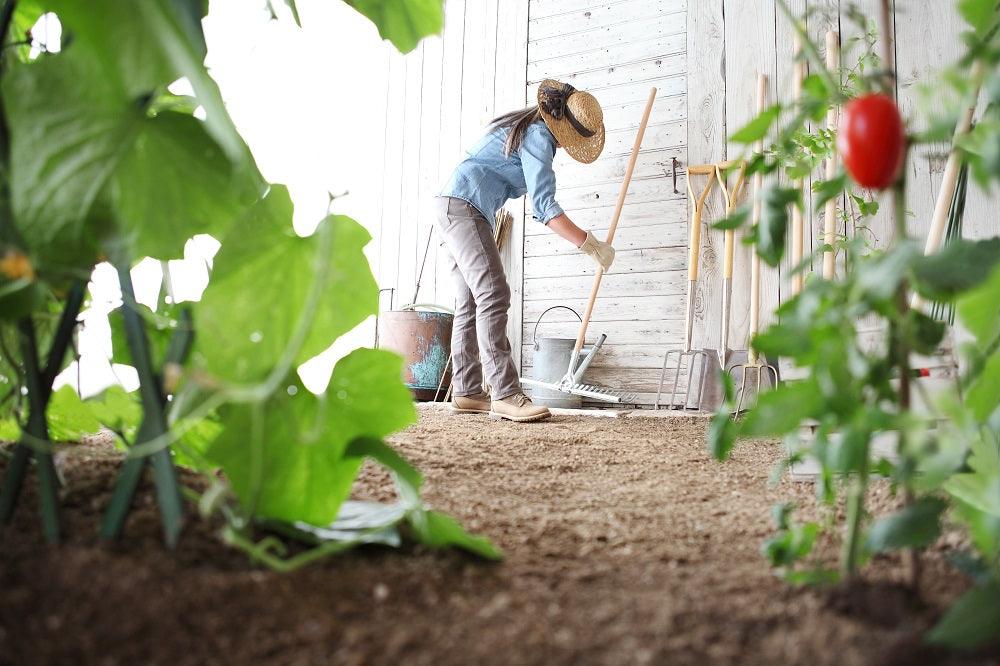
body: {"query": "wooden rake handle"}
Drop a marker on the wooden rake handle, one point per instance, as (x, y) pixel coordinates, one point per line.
(599, 275)
(758, 183)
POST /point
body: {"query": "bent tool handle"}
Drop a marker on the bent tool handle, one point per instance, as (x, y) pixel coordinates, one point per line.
(731, 200)
(599, 275)
(694, 252)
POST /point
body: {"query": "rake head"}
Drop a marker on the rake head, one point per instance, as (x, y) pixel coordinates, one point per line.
(585, 390)
(754, 374)
(695, 385)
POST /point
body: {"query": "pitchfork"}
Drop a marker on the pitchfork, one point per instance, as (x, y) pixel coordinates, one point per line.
(686, 354)
(754, 365)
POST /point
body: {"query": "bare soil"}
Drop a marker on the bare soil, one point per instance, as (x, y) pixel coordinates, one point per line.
(625, 544)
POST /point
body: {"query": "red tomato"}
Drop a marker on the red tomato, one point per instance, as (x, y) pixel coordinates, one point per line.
(872, 141)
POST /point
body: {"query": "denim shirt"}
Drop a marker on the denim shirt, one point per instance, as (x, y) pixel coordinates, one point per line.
(487, 178)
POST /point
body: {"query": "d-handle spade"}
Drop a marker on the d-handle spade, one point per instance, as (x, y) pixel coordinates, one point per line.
(686, 354)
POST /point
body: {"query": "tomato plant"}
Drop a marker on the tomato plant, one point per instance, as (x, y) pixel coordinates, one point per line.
(872, 141)
(854, 391)
(100, 162)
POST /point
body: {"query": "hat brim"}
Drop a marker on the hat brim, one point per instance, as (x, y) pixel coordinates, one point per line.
(581, 148)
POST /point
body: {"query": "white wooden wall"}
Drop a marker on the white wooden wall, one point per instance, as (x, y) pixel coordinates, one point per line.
(703, 57)
(616, 51)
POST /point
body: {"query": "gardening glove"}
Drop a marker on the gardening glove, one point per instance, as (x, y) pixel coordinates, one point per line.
(602, 253)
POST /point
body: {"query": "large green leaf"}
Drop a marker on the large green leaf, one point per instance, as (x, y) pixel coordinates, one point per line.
(757, 128)
(86, 160)
(150, 44)
(979, 310)
(972, 621)
(774, 222)
(915, 526)
(266, 280)
(983, 394)
(69, 418)
(285, 457)
(403, 22)
(782, 409)
(960, 266)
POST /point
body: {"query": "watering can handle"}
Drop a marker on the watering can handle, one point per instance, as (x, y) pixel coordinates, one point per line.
(534, 333)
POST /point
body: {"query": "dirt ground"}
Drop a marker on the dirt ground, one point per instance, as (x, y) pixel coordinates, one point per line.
(625, 544)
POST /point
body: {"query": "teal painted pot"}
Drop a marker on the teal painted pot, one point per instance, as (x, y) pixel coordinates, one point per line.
(423, 339)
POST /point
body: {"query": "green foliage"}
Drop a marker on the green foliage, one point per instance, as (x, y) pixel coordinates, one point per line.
(403, 22)
(316, 289)
(850, 393)
(105, 163)
(915, 526)
(973, 620)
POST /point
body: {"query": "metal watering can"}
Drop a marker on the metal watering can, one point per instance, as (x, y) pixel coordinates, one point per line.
(552, 356)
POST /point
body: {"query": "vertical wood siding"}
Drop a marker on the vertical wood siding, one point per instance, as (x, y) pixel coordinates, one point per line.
(703, 56)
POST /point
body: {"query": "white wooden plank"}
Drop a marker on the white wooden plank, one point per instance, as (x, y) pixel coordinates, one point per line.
(545, 8)
(646, 237)
(639, 191)
(622, 308)
(649, 164)
(602, 16)
(644, 70)
(472, 73)
(450, 140)
(631, 92)
(627, 116)
(706, 140)
(410, 159)
(633, 214)
(601, 38)
(626, 261)
(662, 283)
(392, 181)
(611, 56)
(512, 60)
(427, 175)
(657, 331)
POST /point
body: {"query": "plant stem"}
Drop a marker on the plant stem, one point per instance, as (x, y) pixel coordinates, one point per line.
(855, 510)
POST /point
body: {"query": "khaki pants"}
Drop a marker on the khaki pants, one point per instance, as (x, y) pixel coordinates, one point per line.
(482, 301)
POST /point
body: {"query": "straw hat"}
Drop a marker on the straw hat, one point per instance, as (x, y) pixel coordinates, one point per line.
(574, 117)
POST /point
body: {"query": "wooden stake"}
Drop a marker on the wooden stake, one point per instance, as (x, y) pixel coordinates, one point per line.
(941, 207)
(758, 184)
(830, 212)
(599, 275)
(798, 226)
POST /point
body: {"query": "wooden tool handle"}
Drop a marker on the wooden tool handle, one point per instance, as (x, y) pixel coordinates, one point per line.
(731, 200)
(758, 183)
(694, 242)
(599, 275)
(798, 225)
(830, 212)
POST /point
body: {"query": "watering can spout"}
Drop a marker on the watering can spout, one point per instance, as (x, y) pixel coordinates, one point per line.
(585, 363)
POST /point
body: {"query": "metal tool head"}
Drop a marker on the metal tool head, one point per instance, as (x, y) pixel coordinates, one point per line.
(754, 373)
(585, 390)
(695, 361)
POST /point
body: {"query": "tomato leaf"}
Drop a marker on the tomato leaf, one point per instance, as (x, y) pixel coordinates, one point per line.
(69, 417)
(757, 129)
(973, 620)
(916, 526)
(960, 266)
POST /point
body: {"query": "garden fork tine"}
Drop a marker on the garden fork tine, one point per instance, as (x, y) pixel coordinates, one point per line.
(760, 369)
(694, 248)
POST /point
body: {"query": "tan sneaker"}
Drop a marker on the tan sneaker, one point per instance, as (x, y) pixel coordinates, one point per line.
(518, 407)
(471, 404)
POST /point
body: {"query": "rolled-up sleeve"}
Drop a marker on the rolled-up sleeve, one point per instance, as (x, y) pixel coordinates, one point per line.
(537, 151)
